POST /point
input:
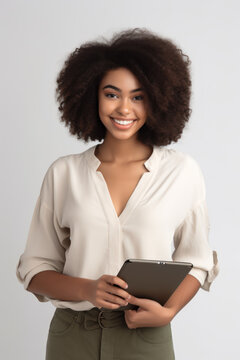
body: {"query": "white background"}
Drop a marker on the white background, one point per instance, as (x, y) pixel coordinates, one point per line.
(36, 36)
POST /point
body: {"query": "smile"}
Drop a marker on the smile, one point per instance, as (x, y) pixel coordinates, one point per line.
(122, 124)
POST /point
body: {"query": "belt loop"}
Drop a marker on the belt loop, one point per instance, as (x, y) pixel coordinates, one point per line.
(79, 317)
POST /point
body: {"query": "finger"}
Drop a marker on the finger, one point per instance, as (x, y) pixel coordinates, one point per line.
(138, 301)
(117, 291)
(108, 305)
(115, 299)
(130, 319)
(115, 280)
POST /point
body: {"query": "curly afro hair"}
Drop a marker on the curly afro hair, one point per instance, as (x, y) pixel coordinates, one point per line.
(159, 65)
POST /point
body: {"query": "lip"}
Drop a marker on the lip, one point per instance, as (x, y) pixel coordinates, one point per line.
(121, 119)
(122, 127)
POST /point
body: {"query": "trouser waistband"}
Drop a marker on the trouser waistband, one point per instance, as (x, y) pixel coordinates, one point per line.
(96, 318)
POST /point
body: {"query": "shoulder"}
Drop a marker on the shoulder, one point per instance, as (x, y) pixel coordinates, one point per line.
(181, 161)
(183, 169)
(60, 173)
(64, 167)
(65, 162)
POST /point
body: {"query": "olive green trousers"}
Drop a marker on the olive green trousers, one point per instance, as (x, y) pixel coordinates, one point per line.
(104, 335)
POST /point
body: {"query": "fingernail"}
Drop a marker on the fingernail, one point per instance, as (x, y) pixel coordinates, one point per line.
(126, 286)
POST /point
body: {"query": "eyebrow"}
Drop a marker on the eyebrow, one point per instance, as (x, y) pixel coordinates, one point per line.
(117, 89)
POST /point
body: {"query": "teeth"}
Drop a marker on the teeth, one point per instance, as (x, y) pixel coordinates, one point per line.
(123, 122)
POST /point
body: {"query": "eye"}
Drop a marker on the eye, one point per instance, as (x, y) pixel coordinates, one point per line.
(139, 97)
(110, 95)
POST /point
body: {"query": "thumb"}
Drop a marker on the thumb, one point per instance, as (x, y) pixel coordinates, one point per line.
(137, 301)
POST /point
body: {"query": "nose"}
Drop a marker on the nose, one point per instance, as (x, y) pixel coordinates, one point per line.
(124, 107)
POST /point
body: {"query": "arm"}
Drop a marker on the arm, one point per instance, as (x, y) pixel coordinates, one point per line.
(183, 294)
(100, 292)
(59, 286)
(151, 314)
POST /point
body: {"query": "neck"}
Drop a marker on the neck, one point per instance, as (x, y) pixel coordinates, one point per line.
(122, 151)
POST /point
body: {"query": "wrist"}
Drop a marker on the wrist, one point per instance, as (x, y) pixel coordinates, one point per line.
(83, 289)
(172, 311)
(86, 289)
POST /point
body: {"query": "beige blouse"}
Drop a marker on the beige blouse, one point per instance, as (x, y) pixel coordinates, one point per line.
(75, 229)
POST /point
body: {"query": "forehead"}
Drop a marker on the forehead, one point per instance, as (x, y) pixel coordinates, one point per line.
(121, 78)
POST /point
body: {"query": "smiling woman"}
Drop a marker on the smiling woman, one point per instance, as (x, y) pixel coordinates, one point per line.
(121, 111)
(128, 197)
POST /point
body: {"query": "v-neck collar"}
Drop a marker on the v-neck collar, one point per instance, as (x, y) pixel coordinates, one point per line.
(103, 191)
(94, 162)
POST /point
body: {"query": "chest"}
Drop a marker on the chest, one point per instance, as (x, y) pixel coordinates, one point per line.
(121, 182)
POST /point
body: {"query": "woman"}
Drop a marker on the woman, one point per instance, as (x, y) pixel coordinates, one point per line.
(128, 197)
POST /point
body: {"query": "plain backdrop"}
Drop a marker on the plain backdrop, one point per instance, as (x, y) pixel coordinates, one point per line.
(36, 37)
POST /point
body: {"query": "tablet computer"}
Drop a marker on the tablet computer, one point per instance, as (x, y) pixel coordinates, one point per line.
(152, 279)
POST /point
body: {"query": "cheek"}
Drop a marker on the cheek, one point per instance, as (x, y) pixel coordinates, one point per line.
(142, 111)
(105, 107)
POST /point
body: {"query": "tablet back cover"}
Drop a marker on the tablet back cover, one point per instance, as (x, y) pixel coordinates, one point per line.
(152, 279)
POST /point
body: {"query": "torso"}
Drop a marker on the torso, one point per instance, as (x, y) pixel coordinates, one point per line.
(121, 181)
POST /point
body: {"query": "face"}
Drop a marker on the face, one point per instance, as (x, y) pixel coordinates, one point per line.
(122, 103)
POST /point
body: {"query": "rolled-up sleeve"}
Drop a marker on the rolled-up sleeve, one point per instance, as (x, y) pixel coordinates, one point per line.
(191, 242)
(44, 248)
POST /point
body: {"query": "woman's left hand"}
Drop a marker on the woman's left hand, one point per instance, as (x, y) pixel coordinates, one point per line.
(149, 314)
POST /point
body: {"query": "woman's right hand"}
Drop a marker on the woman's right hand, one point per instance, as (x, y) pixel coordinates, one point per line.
(107, 292)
